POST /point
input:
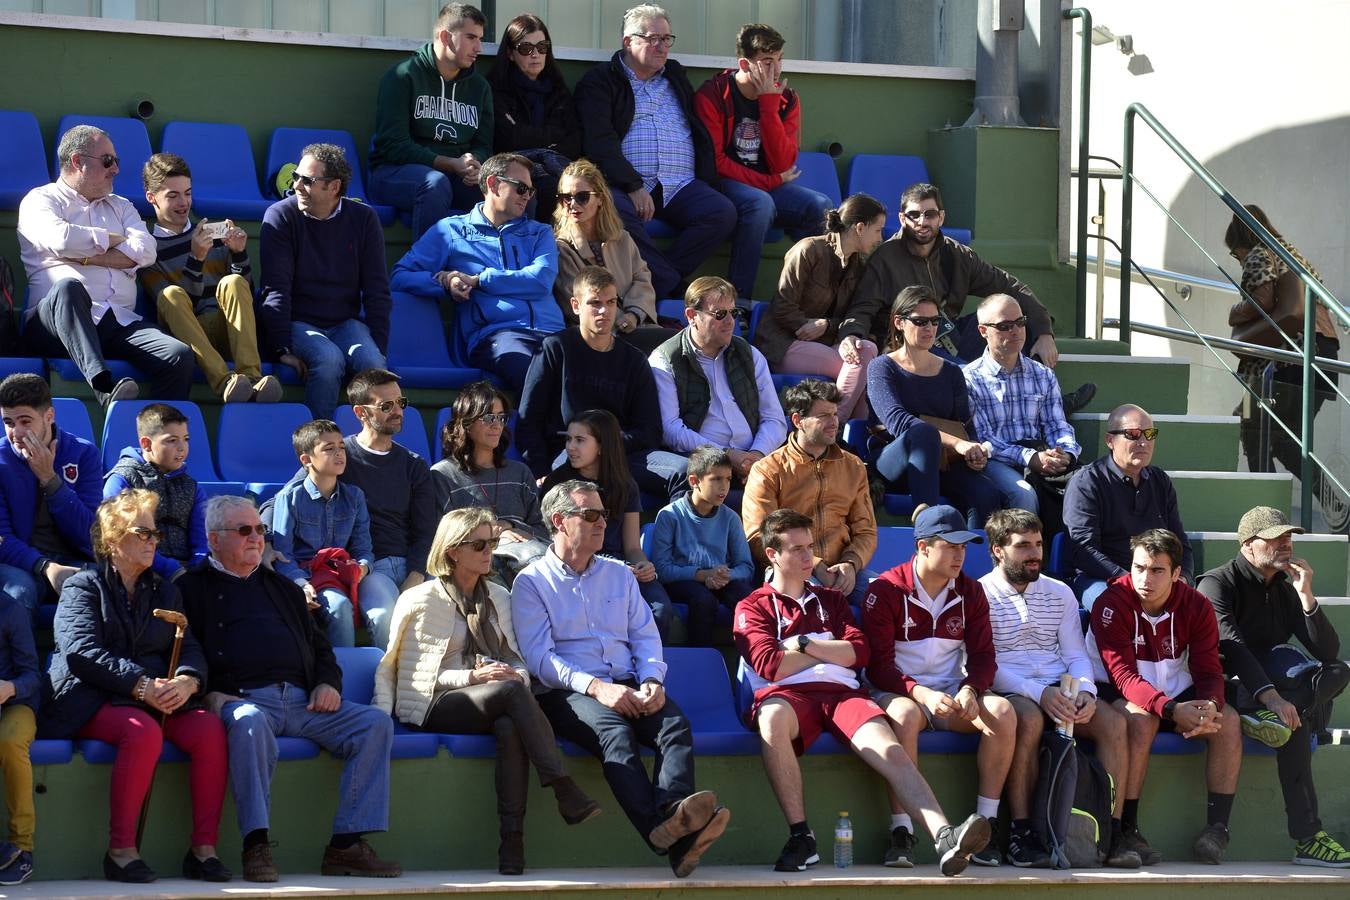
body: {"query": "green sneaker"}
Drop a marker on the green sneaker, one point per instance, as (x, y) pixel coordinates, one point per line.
(1321, 850)
(1266, 727)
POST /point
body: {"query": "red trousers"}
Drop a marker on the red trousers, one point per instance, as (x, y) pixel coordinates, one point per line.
(139, 739)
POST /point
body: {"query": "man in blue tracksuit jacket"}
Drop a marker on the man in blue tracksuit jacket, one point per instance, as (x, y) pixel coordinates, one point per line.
(50, 484)
(498, 266)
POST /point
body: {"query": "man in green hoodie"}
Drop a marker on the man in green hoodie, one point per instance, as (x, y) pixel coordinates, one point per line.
(433, 123)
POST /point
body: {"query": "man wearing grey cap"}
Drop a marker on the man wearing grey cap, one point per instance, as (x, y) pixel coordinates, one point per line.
(1264, 597)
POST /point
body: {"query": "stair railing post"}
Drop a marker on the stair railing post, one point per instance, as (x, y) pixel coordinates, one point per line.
(1084, 118)
(1305, 445)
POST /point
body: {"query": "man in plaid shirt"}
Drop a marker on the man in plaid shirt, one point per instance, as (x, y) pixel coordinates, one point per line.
(1016, 406)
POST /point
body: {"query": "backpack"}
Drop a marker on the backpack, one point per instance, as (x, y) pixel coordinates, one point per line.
(1071, 806)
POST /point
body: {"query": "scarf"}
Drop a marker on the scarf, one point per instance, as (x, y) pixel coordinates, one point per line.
(534, 92)
(484, 638)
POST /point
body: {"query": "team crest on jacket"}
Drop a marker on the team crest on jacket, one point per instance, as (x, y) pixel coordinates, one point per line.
(70, 472)
(954, 627)
(1166, 647)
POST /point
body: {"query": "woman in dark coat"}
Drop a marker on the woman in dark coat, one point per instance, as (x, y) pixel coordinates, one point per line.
(109, 681)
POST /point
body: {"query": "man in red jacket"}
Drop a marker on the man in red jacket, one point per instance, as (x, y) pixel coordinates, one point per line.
(1154, 646)
(755, 123)
(801, 647)
(932, 660)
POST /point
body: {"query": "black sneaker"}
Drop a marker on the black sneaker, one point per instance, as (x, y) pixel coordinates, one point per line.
(1210, 844)
(798, 853)
(1076, 400)
(991, 854)
(1131, 838)
(19, 870)
(900, 853)
(1026, 850)
(1121, 856)
(955, 845)
(126, 389)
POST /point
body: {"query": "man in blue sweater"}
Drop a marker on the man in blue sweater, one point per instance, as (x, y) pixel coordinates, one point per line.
(1113, 499)
(497, 265)
(50, 484)
(325, 290)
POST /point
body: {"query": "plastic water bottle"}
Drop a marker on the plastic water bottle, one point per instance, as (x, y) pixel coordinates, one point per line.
(843, 841)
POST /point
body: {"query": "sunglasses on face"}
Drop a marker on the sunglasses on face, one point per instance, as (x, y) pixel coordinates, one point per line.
(479, 545)
(522, 189)
(525, 48)
(580, 198)
(107, 159)
(145, 534)
(718, 314)
(589, 516)
(1009, 325)
(310, 180)
(388, 405)
(922, 215)
(245, 530)
(1134, 434)
(494, 418)
(924, 321)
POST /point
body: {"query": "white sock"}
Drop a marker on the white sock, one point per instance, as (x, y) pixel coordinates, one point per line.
(987, 807)
(902, 820)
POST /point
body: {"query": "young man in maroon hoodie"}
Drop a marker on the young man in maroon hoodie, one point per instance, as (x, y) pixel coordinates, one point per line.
(932, 662)
(1154, 646)
(802, 648)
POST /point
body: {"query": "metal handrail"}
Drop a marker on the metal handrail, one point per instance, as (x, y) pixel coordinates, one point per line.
(1084, 119)
(1223, 343)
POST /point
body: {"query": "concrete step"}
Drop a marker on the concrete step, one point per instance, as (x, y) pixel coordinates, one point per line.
(1184, 442)
(1326, 553)
(1075, 345)
(1157, 383)
(1215, 501)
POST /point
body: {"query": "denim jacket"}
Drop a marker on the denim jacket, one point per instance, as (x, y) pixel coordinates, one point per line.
(303, 523)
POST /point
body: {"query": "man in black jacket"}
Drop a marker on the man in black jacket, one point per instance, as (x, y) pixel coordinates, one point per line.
(638, 125)
(1263, 598)
(272, 673)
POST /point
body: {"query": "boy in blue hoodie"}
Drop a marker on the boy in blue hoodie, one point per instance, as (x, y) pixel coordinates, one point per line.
(699, 547)
(159, 464)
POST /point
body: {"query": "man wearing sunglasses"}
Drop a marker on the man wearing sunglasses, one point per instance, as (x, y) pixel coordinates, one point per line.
(325, 287)
(496, 265)
(638, 125)
(1115, 498)
(588, 636)
(433, 123)
(81, 245)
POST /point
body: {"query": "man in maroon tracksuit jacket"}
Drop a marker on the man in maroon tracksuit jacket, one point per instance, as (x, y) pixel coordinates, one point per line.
(1155, 648)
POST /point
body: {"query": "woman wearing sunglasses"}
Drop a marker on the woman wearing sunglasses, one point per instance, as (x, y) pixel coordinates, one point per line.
(533, 109)
(453, 667)
(920, 399)
(590, 233)
(109, 681)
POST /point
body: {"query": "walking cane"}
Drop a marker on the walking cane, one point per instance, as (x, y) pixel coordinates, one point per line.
(179, 621)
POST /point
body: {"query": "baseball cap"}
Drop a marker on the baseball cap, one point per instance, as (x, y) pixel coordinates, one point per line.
(946, 523)
(1265, 522)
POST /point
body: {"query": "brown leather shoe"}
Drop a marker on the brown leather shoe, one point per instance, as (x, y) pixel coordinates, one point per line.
(689, 815)
(358, 859)
(686, 853)
(573, 804)
(258, 865)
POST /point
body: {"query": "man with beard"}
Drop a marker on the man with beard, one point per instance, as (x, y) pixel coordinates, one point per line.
(1263, 598)
(1038, 638)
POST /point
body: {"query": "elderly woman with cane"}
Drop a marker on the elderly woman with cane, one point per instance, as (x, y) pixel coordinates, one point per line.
(112, 679)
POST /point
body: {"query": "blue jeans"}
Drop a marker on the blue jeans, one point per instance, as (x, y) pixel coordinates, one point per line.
(362, 735)
(1014, 490)
(913, 459)
(377, 594)
(1088, 589)
(703, 602)
(508, 354)
(796, 209)
(702, 218)
(654, 593)
(428, 194)
(331, 353)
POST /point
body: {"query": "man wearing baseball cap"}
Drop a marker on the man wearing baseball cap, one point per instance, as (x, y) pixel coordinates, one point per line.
(931, 661)
(1264, 597)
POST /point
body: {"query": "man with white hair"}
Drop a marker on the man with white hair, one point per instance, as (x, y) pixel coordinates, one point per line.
(81, 245)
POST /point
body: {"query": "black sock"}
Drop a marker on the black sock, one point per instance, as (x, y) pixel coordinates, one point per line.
(255, 837)
(103, 382)
(1219, 808)
(1021, 825)
(344, 840)
(1129, 816)
(799, 829)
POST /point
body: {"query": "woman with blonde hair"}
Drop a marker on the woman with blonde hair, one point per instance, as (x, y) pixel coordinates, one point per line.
(453, 666)
(109, 681)
(590, 233)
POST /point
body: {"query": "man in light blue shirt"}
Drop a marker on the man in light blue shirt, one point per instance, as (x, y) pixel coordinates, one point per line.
(586, 634)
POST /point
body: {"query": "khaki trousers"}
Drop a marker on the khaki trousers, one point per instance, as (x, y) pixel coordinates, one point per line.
(17, 729)
(229, 328)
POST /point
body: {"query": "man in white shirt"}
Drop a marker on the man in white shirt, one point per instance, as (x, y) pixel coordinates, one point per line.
(81, 245)
(1038, 636)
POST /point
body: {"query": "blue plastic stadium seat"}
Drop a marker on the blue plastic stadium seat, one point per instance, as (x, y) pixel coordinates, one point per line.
(758, 311)
(786, 381)
(102, 753)
(131, 143)
(697, 680)
(358, 685)
(819, 174)
(64, 367)
(50, 752)
(1058, 563)
(223, 488)
(285, 147)
(224, 178)
(119, 432)
(895, 545)
(960, 235)
(255, 443)
(855, 438)
(417, 347)
(885, 176)
(23, 157)
(73, 416)
(12, 365)
(413, 436)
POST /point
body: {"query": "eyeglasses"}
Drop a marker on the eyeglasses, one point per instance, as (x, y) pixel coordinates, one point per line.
(581, 198)
(718, 314)
(1006, 326)
(924, 321)
(145, 534)
(310, 180)
(494, 418)
(525, 48)
(245, 530)
(388, 405)
(1134, 434)
(922, 215)
(480, 545)
(107, 159)
(590, 516)
(522, 189)
(665, 40)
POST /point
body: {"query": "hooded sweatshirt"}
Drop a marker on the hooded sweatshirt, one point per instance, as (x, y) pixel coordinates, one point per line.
(419, 115)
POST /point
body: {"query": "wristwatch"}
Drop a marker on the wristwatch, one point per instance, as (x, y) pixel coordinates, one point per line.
(802, 641)
(1169, 710)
